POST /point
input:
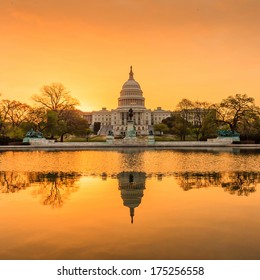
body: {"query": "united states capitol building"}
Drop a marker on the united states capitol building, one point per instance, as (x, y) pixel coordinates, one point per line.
(131, 97)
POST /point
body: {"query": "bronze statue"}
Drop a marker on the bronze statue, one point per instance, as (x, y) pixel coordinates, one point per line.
(130, 114)
(34, 134)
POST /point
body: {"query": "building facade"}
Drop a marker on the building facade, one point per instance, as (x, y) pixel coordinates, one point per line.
(131, 96)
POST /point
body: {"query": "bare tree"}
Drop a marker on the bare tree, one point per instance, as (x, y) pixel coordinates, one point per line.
(55, 97)
(18, 113)
(183, 124)
(204, 123)
(185, 106)
(14, 112)
(37, 118)
(232, 110)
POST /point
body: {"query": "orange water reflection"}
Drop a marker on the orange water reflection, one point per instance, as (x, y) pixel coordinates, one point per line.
(141, 205)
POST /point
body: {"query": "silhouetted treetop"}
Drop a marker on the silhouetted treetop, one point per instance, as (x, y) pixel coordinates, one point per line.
(55, 97)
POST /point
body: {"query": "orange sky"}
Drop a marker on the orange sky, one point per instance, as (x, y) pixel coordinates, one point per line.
(196, 49)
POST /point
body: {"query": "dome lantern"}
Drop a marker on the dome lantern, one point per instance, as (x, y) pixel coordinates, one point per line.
(131, 74)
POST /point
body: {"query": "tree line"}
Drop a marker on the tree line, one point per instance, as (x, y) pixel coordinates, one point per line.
(202, 120)
(56, 187)
(54, 114)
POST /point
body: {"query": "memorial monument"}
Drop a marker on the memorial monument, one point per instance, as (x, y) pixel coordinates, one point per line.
(226, 137)
(110, 137)
(36, 138)
(130, 132)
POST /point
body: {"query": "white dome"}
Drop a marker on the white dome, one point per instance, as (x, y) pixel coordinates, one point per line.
(131, 94)
(131, 83)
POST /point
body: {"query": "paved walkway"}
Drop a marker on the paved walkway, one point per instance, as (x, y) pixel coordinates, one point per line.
(115, 145)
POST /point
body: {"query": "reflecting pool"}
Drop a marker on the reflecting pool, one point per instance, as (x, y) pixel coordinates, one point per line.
(130, 204)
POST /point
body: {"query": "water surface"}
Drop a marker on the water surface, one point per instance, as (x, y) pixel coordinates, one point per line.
(130, 204)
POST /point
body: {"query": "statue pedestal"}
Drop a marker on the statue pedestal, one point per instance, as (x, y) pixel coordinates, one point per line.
(130, 133)
(224, 140)
(151, 140)
(130, 137)
(36, 138)
(110, 139)
(226, 136)
(38, 141)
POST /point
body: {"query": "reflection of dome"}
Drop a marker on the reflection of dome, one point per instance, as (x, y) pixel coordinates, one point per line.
(131, 94)
(132, 185)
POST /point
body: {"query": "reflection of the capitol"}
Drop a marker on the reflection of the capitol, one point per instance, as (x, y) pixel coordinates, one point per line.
(54, 188)
(132, 185)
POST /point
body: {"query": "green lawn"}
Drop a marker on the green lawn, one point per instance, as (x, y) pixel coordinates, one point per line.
(173, 138)
(82, 139)
(165, 138)
(103, 138)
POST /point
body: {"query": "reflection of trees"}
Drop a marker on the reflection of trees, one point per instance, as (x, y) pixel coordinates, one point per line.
(240, 183)
(190, 180)
(54, 187)
(11, 182)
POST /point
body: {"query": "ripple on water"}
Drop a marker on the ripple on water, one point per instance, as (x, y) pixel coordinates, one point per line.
(114, 162)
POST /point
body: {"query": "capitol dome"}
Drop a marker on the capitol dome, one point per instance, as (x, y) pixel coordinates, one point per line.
(131, 83)
(131, 95)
